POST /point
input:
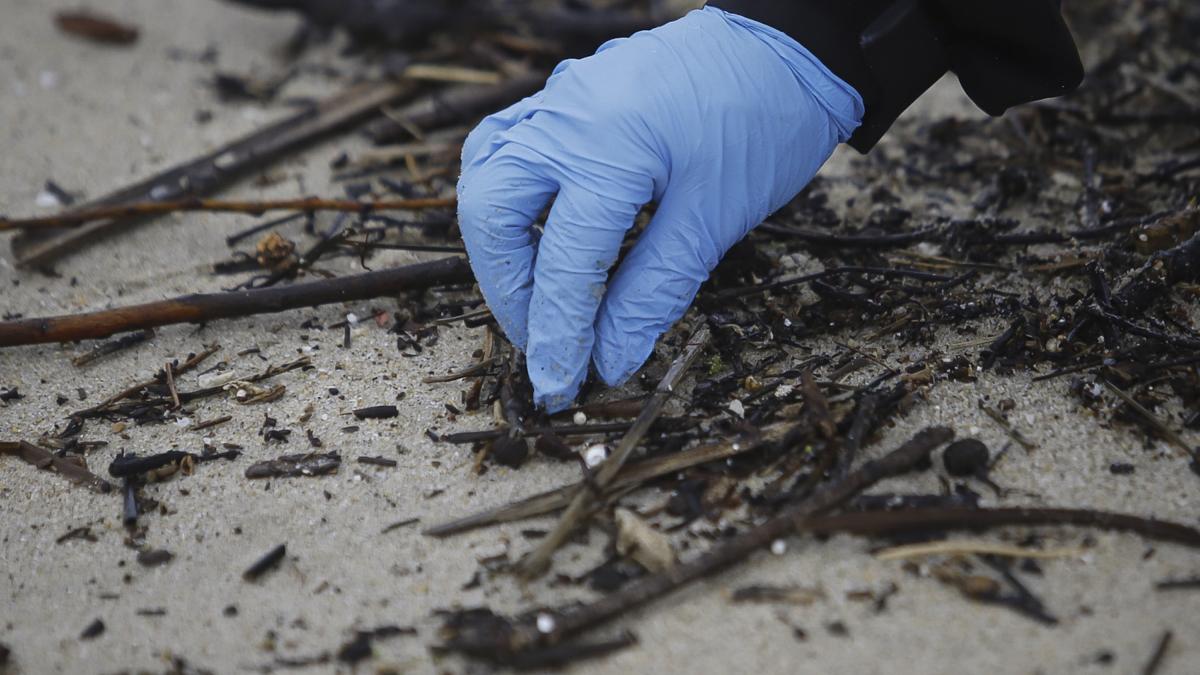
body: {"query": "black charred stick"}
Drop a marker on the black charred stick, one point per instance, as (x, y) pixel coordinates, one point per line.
(208, 307)
(377, 412)
(113, 346)
(130, 465)
(378, 461)
(1192, 583)
(263, 227)
(997, 346)
(129, 511)
(890, 523)
(265, 563)
(290, 466)
(1164, 270)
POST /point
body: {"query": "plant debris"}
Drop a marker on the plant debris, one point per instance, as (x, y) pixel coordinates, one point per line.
(291, 466)
(96, 27)
(266, 563)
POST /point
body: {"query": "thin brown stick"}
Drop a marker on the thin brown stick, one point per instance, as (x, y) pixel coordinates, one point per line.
(1160, 652)
(72, 470)
(257, 208)
(205, 174)
(208, 307)
(1159, 425)
(480, 368)
(536, 562)
(454, 104)
(171, 386)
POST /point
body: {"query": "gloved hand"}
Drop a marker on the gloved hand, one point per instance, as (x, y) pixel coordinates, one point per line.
(719, 119)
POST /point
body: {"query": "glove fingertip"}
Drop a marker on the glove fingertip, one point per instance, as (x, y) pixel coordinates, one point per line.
(619, 353)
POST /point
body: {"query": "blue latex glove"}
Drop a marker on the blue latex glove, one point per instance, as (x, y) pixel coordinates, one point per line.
(719, 119)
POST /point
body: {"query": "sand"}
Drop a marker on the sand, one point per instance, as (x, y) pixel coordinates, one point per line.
(93, 118)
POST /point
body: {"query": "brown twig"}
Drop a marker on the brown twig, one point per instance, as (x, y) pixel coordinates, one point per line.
(171, 386)
(211, 306)
(451, 105)
(220, 167)
(257, 208)
(71, 469)
(538, 560)
(112, 347)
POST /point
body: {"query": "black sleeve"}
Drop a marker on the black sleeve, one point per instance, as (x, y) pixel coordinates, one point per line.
(1004, 52)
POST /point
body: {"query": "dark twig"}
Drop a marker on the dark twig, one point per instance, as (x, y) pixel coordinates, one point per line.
(154, 208)
(205, 174)
(112, 347)
(1160, 653)
(212, 306)
(70, 468)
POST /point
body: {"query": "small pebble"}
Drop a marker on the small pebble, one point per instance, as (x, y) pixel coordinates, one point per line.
(595, 455)
(545, 623)
(779, 547)
(968, 457)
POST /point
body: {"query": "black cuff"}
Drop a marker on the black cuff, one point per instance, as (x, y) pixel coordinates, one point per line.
(890, 51)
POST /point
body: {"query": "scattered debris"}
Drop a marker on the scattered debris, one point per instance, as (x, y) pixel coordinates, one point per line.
(290, 466)
(266, 563)
(154, 557)
(94, 630)
(378, 412)
(96, 27)
(649, 547)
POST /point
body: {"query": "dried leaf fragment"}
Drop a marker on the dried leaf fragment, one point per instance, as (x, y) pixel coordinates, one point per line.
(96, 27)
(647, 546)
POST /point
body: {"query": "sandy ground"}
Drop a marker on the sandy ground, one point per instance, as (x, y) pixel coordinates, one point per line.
(93, 118)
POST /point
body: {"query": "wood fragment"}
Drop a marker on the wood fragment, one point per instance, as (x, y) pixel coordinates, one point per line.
(890, 523)
(647, 546)
(377, 412)
(212, 306)
(975, 547)
(96, 27)
(78, 217)
(72, 469)
(265, 563)
(1160, 653)
(290, 466)
(112, 347)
